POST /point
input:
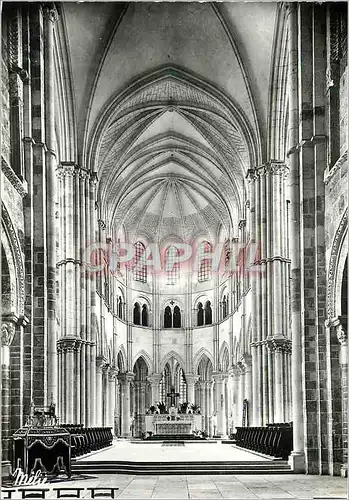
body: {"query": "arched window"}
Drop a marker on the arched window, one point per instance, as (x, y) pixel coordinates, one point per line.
(200, 314)
(120, 307)
(208, 313)
(204, 261)
(168, 317)
(176, 317)
(224, 307)
(139, 269)
(137, 314)
(172, 265)
(145, 315)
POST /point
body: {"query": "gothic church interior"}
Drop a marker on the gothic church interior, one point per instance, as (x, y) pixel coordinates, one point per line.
(174, 218)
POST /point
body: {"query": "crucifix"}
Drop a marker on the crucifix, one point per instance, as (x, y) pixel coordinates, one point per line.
(173, 395)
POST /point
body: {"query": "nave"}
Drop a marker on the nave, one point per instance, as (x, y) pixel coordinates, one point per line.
(174, 219)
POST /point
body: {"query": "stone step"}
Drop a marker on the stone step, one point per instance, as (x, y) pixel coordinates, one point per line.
(156, 468)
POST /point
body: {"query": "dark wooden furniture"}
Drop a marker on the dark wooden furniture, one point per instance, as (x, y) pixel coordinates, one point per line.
(275, 439)
(47, 449)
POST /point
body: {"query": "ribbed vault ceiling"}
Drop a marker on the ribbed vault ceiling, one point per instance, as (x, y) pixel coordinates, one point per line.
(170, 100)
(172, 158)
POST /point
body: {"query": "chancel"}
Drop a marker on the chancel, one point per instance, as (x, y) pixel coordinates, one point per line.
(174, 230)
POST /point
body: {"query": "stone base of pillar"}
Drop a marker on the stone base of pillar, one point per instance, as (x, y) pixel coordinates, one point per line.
(297, 462)
(6, 468)
(344, 470)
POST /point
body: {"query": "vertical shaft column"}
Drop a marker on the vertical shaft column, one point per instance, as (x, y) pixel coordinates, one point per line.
(247, 363)
(125, 380)
(342, 335)
(50, 17)
(111, 399)
(219, 379)
(93, 298)
(100, 363)
(254, 277)
(297, 455)
(155, 388)
(7, 335)
(279, 375)
(191, 380)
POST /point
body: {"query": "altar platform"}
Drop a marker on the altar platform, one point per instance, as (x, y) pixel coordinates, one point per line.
(149, 457)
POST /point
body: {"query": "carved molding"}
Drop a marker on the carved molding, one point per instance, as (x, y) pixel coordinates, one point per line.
(332, 268)
(17, 256)
(20, 187)
(329, 173)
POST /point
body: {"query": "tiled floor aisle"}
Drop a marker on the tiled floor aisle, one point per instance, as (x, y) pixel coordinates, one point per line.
(237, 487)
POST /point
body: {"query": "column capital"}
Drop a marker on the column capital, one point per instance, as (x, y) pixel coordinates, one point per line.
(191, 378)
(273, 167)
(154, 378)
(113, 372)
(50, 12)
(278, 344)
(126, 377)
(71, 169)
(234, 371)
(69, 344)
(246, 361)
(101, 363)
(219, 376)
(242, 223)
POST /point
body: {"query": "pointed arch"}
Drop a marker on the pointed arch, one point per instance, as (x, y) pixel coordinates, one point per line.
(168, 356)
(121, 359)
(136, 313)
(198, 355)
(224, 357)
(143, 354)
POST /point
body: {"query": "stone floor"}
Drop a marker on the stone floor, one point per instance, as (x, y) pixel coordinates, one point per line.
(235, 487)
(143, 451)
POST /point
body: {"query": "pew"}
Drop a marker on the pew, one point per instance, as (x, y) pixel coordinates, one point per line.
(84, 440)
(275, 439)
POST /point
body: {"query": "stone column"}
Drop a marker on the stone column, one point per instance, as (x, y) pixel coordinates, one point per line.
(117, 405)
(338, 451)
(100, 365)
(191, 381)
(141, 407)
(67, 349)
(247, 364)
(125, 380)
(235, 373)
(155, 388)
(342, 335)
(7, 335)
(219, 379)
(73, 298)
(241, 392)
(50, 17)
(297, 458)
(111, 398)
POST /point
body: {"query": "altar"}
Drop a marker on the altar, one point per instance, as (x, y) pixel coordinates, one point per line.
(173, 428)
(183, 424)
